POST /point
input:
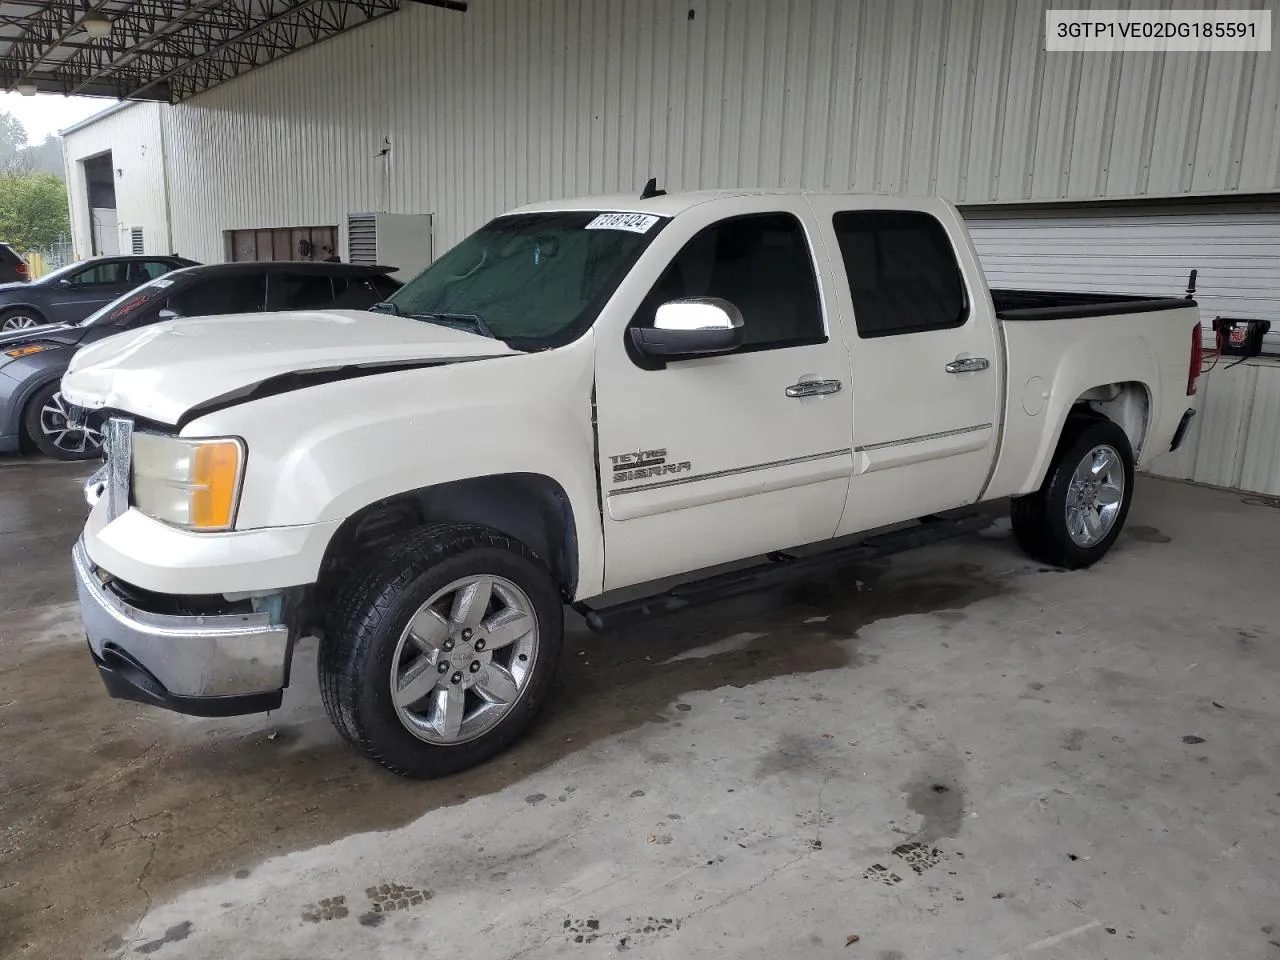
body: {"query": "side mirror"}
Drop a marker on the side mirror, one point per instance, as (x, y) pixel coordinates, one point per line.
(168, 314)
(65, 284)
(691, 327)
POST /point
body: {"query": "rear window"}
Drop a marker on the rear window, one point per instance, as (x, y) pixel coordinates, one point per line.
(903, 275)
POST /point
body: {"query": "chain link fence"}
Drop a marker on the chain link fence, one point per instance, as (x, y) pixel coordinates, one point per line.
(50, 258)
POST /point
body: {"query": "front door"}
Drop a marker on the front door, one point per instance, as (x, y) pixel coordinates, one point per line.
(719, 458)
(86, 290)
(926, 360)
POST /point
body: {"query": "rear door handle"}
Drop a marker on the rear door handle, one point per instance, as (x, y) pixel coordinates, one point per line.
(968, 365)
(813, 388)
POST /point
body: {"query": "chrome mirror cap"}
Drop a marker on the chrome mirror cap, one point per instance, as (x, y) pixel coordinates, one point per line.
(698, 313)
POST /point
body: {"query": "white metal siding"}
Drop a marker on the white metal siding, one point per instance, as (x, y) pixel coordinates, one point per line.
(1235, 438)
(521, 100)
(135, 139)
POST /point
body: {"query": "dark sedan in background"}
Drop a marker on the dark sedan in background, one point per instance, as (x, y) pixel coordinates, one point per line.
(32, 361)
(72, 293)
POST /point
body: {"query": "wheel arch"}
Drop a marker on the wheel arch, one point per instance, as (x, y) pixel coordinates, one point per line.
(25, 308)
(1126, 403)
(529, 507)
(18, 413)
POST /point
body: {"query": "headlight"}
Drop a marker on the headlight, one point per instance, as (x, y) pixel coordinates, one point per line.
(194, 484)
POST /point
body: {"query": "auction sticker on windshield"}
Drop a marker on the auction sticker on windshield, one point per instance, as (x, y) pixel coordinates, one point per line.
(634, 222)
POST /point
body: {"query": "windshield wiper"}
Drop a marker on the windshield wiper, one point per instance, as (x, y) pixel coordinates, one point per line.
(386, 306)
(458, 321)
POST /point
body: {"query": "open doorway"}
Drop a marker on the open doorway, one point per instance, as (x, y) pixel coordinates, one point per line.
(100, 189)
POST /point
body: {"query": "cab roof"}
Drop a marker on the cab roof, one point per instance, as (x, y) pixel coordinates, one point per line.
(673, 204)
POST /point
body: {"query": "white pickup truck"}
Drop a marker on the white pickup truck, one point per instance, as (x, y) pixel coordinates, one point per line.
(582, 396)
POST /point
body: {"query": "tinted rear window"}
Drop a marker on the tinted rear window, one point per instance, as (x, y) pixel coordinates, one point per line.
(903, 275)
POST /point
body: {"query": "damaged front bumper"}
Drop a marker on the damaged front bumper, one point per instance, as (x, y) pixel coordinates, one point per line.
(207, 665)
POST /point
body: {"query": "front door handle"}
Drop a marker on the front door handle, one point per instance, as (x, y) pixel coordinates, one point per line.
(968, 365)
(813, 388)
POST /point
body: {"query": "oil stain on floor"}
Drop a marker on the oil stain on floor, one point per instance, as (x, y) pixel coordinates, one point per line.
(146, 802)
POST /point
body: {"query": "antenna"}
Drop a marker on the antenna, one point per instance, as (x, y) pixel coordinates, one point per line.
(651, 190)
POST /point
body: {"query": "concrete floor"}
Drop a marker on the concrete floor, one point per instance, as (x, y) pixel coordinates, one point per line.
(958, 753)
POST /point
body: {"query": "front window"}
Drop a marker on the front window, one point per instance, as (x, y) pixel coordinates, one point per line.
(534, 280)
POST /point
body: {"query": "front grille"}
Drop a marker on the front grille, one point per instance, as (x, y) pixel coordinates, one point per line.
(117, 445)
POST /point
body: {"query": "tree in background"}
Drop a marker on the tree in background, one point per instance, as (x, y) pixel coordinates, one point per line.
(44, 157)
(19, 156)
(13, 140)
(33, 198)
(33, 210)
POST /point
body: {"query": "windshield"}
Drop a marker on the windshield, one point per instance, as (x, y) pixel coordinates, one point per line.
(533, 280)
(125, 305)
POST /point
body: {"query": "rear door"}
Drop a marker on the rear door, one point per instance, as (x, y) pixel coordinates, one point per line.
(925, 356)
(299, 291)
(712, 459)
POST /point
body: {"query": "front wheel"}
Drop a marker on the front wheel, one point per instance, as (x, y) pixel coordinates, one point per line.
(20, 318)
(49, 428)
(439, 656)
(1079, 510)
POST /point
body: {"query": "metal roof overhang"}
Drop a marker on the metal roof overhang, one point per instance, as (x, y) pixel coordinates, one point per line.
(165, 50)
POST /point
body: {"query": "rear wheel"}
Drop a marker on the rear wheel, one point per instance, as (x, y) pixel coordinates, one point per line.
(1080, 509)
(50, 431)
(440, 655)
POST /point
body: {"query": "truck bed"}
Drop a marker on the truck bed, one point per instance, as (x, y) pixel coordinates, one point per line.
(1024, 305)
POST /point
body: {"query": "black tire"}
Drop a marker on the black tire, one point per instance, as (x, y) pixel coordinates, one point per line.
(36, 420)
(370, 614)
(1040, 519)
(7, 317)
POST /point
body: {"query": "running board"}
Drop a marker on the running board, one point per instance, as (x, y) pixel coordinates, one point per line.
(780, 567)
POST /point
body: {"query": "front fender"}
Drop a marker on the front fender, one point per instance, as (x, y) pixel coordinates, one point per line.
(20, 379)
(322, 453)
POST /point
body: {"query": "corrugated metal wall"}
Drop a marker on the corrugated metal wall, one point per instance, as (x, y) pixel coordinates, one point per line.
(1234, 441)
(135, 139)
(521, 100)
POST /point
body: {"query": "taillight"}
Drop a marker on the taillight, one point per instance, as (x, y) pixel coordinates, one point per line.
(1197, 359)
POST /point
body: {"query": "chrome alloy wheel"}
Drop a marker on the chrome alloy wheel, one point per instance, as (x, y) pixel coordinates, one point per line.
(464, 660)
(56, 427)
(1094, 496)
(20, 322)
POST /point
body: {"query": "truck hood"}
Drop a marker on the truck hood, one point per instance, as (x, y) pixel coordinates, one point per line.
(162, 372)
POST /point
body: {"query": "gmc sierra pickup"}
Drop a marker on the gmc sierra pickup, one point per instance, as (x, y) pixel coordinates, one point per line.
(583, 395)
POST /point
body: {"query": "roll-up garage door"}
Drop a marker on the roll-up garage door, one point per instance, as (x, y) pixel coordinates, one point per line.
(1141, 249)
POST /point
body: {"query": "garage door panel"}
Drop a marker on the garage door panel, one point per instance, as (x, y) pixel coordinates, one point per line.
(1148, 251)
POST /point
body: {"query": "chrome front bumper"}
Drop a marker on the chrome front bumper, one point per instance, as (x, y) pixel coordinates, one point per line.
(205, 665)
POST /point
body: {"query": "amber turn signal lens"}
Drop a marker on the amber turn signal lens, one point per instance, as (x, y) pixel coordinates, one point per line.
(215, 479)
(26, 351)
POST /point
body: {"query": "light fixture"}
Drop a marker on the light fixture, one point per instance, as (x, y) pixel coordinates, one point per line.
(27, 89)
(96, 26)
